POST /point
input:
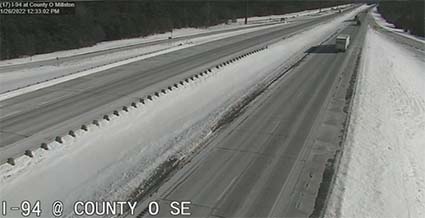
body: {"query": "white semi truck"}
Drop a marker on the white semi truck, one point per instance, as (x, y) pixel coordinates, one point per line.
(342, 42)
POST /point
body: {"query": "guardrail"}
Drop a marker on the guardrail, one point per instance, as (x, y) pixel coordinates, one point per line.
(137, 104)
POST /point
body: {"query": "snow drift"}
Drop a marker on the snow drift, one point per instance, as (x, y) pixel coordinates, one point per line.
(382, 170)
(110, 161)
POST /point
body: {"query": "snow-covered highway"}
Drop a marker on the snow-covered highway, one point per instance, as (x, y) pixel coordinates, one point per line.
(27, 74)
(105, 141)
(38, 117)
(382, 170)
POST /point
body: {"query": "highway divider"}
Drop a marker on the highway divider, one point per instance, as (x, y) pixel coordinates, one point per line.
(44, 146)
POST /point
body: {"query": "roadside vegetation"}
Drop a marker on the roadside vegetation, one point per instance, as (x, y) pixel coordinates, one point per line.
(407, 15)
(95, 22)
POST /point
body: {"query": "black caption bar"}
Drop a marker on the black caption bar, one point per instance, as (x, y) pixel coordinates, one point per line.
(37, 8)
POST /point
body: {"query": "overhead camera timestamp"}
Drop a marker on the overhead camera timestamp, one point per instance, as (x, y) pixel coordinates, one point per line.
(212, 108)
(37, 8)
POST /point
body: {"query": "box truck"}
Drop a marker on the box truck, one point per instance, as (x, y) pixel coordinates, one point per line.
(342, 42)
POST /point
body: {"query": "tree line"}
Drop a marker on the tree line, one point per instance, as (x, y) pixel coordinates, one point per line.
(97, 21)
(406, 15)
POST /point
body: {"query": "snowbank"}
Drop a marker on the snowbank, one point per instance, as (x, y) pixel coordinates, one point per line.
(108, 162)
(253, 21)
(295, 15)
(389, 26)
(382, 170)
(22, 81)
(101, 46)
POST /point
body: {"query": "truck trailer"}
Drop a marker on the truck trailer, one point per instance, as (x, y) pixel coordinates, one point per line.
(342, 42)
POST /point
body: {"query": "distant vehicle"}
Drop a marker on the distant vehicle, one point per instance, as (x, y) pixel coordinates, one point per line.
(357, 20)
(358, 23)
(342, 42)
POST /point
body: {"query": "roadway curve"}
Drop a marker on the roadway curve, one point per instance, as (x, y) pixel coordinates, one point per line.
(271, 160)
(30, 119)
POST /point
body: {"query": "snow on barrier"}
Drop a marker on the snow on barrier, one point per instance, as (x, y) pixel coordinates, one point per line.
(11, 161)
(29, 153)
(72, 133)
(106, 117)
(96, 122)
(44, 146)
(59, 139)
(84, 127)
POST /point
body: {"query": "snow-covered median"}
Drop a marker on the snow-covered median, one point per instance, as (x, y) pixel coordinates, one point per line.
(182, 32)
(21, 81)
(382, 170)
(16, 80)
(110, 161)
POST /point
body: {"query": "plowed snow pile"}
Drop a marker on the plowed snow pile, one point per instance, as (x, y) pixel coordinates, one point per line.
(382, 170)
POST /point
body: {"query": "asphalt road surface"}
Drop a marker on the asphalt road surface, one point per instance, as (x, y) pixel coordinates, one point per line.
(271, 161)
(36, 117)
(118, 49)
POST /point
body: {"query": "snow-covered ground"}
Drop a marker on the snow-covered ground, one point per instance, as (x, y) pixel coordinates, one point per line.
(110, 161)
(120, 43)
(389, 26)
(49, 75)
(382, 170)
(306, 13)
(252, 21)
(24, 79)
(20, 78)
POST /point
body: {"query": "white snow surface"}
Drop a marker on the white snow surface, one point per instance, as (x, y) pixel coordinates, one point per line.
(49, 75)
(252, 21)
(25, 79)
(389, 26)
(109, 162)
(382, 169)
(53, 74)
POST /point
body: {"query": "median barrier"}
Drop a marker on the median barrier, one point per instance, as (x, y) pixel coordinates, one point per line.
(11, 161)
(96, 122)
(29, 153)
(59, 139)
(44, 146)
(84, 127)
(71, 133)
(106, 117)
